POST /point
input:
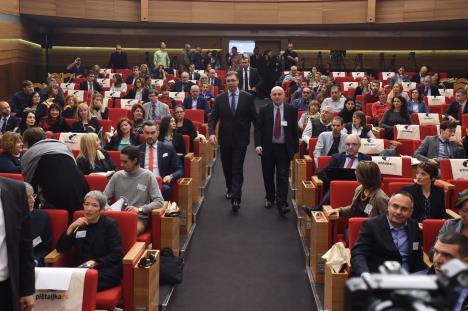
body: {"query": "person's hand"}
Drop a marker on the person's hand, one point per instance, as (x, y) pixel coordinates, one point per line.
(213, 140)
(334, 212)
(132, 209)
(433, 161)
(167, 179)
(80, 222)
(451, 118)
(253, 89)
(26, 303)
(259, 151)
(50, 101)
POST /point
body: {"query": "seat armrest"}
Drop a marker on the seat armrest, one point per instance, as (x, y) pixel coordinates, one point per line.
(134, 253)
(452, 214)
(53, 257)
(317, 181)
(160, 211)
(426, 260)
(308, 158)
(327, 210)
(348, 257)
(443, 184)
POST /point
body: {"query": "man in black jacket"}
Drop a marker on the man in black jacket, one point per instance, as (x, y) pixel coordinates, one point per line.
(249, 79)
(276, 141)
(392, 237)
(235, 111)
(16, 257)
(7, 121)
(118, 59)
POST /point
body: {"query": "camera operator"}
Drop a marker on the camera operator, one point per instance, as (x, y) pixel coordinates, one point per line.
(392, 237)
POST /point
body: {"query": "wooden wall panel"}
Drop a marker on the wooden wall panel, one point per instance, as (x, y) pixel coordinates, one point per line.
(10, 7)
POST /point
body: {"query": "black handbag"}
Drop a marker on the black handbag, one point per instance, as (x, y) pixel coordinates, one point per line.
(171, 268)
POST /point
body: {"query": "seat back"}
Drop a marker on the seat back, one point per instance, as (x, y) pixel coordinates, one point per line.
(405, 168)
(15, 176)
(445, 169)
(96, 182)
(354, 226)
(387, 180)
(312, 144)
(342, 192)
(430, 230)
(115, 114)
(394, 187)
(408, 147)
(89, 290)
(322, 162)
(460, 185)
(58, 222)
(115, 156)
(195, 115)
(187, 143)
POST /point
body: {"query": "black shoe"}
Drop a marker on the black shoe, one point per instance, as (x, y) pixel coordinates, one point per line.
(235, 206)
(228, 195)
(269, 204)
(283, 209)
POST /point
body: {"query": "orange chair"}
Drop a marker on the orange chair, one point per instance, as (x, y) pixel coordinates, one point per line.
(132, 250)
(15, 176)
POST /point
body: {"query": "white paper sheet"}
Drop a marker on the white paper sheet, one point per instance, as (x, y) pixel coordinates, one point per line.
(53, 278)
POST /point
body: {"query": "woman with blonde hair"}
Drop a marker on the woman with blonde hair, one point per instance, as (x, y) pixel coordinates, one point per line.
(71, 104)
(97, 108)
(85, 123)
(144, 70)
(92, 158)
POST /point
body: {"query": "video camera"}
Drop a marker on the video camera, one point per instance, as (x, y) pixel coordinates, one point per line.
(394, 289)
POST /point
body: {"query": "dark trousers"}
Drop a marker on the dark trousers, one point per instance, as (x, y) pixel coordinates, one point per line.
(232, 159)
(166, 192)
(276, 160)
(6, 302)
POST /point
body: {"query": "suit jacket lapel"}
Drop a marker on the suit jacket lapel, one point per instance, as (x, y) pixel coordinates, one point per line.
(160, 157)
(387, 235)
(269, 121)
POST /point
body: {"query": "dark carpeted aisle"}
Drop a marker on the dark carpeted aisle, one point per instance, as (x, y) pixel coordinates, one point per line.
(252, 260)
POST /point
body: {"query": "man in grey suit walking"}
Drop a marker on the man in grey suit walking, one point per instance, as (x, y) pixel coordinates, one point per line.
(434, 148)
(235, 111)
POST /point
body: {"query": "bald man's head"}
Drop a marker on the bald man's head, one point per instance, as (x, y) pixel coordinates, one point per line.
(277, 95)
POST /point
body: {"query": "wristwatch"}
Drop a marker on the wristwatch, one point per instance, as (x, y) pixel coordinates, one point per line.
(140, 210)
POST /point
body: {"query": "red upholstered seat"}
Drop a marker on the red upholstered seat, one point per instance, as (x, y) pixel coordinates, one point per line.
(354, 226)
(394, 187)
(115, 156)
(387, 180)
(106, 299)
(15, 176)
(96, 182)
(195, 115)
(89, 290)
(58, 222)
(115, 114)
(430, 230)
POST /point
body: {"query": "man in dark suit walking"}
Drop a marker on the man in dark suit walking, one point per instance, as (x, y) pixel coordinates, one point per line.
(16, 257)
(249, 79)
(392, 237)
(276, 141)
(235, 111)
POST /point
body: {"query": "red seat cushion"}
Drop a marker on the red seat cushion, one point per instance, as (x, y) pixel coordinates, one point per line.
(109, 298)
(145, 237)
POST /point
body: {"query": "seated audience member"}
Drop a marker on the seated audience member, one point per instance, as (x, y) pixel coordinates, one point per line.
(54, 122)
(314, 82)
(144, 70)
(291, 74)
(138, 117)
(97, 71)
(53, 88)
(397, 114)
(118, 59)
(95, 239)
(421, 75)
(77, 68)
(348, 159)
(138, 186)
(449, 245)
(319, 125)
(194, 101)
(397, 90)
(22, 98)
(119, 85)
(43, 108)
(302, 103)
(152, 158)
(71, 104)
(138, 92)
(184, 126)
(8, 122)
(311, 113)
(348, 110)
(92, 158)
(85, 123)
(428, 199)
(193, 75)
(363, 88)
(90, 84)
(392, 237)
(214, 80)
(168, 134)
(154, 109)
(203, 80)
(49, 165)
(206, 94)
(28, 120)
(35, 101)
(135, 75)
(399, 77)
(335, 101)
(41, 229)
(97, 108)
(428, 89)
(459, 225)
(458, 107)
(160, 73)
(434, 148)
(358, 126)
(373, 95)
(165, 98)
(124, 136)
(379, 107)
(10, 159)
(330, 142)
(369, 200)
(416, 104)
(184, 84)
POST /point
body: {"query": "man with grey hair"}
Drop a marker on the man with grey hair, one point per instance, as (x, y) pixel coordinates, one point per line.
(335, 101)
(319, 125)
(184, 84)
(194, 101)
(428, 89)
